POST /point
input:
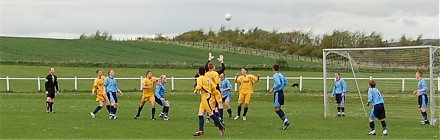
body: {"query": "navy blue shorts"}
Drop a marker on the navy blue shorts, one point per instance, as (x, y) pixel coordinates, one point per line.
(278, 98)
(112, 97)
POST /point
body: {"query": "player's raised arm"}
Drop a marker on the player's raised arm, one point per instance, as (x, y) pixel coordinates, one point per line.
(223, 68)
(237, 78)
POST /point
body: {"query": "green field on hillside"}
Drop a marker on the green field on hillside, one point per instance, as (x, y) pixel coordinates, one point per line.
(146, 53)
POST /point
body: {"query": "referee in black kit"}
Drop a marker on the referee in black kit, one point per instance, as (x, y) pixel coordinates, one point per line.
(51, 87)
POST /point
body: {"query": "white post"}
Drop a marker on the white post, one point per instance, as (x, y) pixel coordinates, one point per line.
(172, 83)
(39, 84)
(403, 85)
(300, 83)
(7, 83)
(235, 85)
(438, 83)
(76, 83)
(141, 83)
(267, 83)
(371, 77)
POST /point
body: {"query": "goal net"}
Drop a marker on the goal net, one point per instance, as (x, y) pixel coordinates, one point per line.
(393, 69)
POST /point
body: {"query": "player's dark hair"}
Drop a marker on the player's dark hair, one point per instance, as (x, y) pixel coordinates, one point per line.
(372, 83)
(276, 67)
(202, 71)
(338, 73)
(148, 71)
(97, 71)
(420, 72)
(245, 69)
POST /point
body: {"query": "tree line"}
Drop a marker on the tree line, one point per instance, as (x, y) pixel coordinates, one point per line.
(298, 42)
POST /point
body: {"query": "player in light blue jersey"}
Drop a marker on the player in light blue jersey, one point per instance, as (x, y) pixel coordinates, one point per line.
(159, 94)
(422, 89)
(339, 90)
(378, 110)
(111, 87)
(278, 89)
(225, 89)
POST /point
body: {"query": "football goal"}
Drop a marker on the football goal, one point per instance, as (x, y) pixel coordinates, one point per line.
(393, 68)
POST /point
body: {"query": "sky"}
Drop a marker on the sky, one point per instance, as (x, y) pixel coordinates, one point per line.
(123, 19)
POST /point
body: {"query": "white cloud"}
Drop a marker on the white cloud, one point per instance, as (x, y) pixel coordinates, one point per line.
(123, 19)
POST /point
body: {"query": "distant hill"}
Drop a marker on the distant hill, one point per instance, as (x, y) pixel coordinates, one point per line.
(39, 51)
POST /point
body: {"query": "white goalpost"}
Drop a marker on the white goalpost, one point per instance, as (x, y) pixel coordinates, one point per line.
(394, 67)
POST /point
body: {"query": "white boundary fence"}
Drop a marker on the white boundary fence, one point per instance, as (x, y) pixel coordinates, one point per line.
(172, 79)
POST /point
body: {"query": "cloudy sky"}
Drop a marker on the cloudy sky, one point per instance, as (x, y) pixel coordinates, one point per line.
(134, 18)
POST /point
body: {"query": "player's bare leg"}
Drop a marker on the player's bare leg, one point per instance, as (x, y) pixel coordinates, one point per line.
(228, 107)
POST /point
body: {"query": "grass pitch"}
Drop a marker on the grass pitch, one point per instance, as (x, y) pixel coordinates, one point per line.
(23, 116)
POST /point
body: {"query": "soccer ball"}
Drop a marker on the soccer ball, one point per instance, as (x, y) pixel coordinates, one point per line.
(228, 17)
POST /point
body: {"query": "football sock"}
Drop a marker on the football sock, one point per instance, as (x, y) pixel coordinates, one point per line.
(220, 111)
(239, 110)
(139, 110)
(372, 125)
(108, 109)
(245, 111)
(384, 125)
(153, 111)
(342, 110)
(216, 121)
(97, 109)
(201, 122)
(114, 110)
(281, 114)
(425, 116)
(217, 114)
(339, 110)
(163, 109)
(47, 105)
(50, 106)
(229, 112)
(166, 109)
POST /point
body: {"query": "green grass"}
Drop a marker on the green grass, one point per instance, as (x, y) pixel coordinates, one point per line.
(129, 52)
(23, 116)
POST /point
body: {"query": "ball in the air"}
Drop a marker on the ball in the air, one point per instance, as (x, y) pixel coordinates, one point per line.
(228, 17)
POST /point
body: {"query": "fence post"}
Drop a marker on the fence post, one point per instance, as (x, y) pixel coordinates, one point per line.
(39, 84)
(267, 83)
(371, 77)
(76, 83)
(7, 83)
(172, 83)
(141, 84)
(438, 83)
(300, 83)
(235, 85)
(403, 85)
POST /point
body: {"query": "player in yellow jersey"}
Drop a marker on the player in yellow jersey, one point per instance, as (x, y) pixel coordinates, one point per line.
(148, 94)
(246, 90)
(101, 97)
(204, 87)
(216, 99)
